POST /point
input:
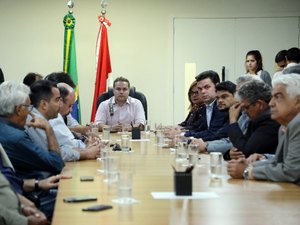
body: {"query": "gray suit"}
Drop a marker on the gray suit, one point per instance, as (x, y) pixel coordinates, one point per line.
(285, 166)
(9, 205)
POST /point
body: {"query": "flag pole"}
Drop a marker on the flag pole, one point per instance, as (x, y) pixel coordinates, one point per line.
(103, 66)
(70, 62)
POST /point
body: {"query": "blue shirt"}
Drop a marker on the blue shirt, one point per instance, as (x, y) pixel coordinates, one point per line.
(29, 160)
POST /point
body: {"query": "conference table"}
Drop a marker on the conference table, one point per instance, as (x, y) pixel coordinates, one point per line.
(225, 200)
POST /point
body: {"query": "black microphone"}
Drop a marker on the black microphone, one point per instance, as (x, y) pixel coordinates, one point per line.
(111, 109)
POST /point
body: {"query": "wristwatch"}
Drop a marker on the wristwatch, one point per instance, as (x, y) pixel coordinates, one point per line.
(36, 185)
(246, 172)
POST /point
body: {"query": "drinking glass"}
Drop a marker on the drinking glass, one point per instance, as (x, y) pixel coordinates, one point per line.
(216, 164)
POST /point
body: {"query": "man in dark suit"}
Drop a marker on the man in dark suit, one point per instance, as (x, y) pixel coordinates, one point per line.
(213, 119)
(254, 97)
(285, 165)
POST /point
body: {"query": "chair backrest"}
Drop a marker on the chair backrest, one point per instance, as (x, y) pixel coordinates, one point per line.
(1, 76)
(132, 93)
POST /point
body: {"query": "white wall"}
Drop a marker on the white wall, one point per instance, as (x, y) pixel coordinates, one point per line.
(141, 40)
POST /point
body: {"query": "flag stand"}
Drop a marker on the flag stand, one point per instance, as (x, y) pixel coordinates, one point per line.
(69, 57)
(103, 66)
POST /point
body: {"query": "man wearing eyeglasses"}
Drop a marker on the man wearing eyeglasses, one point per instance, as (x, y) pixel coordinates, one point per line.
(285, 165)
(28, 159)
(261, 134)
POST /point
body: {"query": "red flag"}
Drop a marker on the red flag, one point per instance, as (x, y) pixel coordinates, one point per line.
(103, 62)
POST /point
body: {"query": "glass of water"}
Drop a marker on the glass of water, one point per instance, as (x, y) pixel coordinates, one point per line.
(125, 188)
(193, 154)
(216, 164)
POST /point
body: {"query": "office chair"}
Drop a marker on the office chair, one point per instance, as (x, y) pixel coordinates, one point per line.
(132, 93)
(1, 76)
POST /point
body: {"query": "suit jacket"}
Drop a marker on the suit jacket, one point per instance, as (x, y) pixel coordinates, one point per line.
(217, 128)
(261, 136)
(9, 205)
(193, 120)
(285, 166)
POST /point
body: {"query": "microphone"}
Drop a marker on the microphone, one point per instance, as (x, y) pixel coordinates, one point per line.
(111, 109)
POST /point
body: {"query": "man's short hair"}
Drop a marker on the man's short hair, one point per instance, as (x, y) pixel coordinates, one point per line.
(212, 75)
(253, 91)
(11, 95)
(41, 90)
(291, 82)
(226, 86)
(30, 78)
(61, 77)
(121, 79)
(293, 54)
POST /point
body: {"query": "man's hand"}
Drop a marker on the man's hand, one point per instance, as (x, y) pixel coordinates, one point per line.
(255, 157)
(235, 168)
(35, 217)
(52, 182)
(93, 151)
(92, 140)
(201, 143)
(117, 127)
(234, 112)
(236, 154)
(37, 122)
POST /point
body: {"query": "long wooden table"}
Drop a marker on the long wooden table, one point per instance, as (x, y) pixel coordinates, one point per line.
(240, 202)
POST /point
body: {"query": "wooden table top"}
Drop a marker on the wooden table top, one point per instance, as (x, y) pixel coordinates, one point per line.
(239, 202)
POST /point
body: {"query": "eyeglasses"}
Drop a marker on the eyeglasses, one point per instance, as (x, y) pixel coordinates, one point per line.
(30, 107)
(246, 107)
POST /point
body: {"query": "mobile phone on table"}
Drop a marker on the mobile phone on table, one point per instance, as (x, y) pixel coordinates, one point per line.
(80, 199)
(86, 178)
(95, 208)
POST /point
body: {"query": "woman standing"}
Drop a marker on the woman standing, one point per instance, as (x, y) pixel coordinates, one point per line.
(254, 66)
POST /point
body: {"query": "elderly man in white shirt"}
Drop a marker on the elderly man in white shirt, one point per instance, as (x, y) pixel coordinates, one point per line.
(121, 109)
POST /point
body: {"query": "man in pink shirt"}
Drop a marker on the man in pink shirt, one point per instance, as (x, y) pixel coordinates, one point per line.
(121, 109)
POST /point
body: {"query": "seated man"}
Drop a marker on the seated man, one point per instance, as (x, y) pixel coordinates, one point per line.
(46, 99)
(253, 98)
(224, 144)
(120, 109)
(225, 99)
(32, 187)
(72, 123)
(15, 212)
(212, 118)
(285, 109)
(28, 159)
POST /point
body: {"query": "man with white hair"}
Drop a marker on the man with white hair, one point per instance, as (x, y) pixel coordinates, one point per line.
(285, 165)
(29, 160)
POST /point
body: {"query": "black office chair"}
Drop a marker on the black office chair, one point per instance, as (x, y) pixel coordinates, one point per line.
(132, 93)
(1, 76)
